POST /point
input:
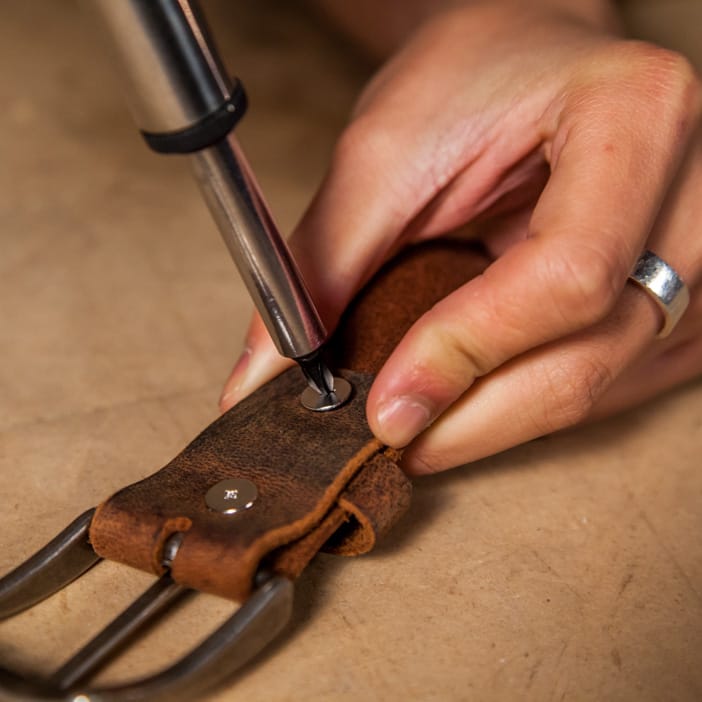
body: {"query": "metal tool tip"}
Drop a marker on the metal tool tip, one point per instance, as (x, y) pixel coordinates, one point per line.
(324, 391)
(327, 401)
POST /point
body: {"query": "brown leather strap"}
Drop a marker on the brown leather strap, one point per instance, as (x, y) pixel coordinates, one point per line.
(321, 478)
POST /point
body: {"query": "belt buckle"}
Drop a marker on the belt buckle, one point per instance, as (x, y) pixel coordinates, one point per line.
(68, 556)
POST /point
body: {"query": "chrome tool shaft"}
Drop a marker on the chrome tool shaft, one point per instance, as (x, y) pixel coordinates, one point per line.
(183, 102)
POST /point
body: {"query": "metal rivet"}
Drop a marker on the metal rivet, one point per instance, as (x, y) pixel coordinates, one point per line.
(231, 496)
(325, 402)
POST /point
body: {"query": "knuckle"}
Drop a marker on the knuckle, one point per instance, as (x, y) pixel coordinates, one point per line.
(671, 79)
(674, 70)
(586, 283)
(462, 357)
(572, 388)
(660, 84)
(426, 463)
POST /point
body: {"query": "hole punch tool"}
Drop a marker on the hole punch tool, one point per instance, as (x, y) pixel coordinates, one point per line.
(184, 103)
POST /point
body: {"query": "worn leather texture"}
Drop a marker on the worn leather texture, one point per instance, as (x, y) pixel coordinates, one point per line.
(397, 296)
(321, 477)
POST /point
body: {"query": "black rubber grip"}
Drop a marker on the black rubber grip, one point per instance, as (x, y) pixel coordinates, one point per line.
(209, 130)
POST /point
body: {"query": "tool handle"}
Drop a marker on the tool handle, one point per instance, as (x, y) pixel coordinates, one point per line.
(184, 103)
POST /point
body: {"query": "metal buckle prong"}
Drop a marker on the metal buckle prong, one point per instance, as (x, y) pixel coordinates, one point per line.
(97, 652)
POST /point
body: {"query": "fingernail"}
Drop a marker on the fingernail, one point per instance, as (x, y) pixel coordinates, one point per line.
(402, 418)
(232, 390)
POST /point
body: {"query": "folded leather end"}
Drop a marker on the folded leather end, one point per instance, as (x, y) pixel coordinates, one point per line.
(375, 499)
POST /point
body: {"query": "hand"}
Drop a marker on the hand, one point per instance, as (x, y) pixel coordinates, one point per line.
(567, 151)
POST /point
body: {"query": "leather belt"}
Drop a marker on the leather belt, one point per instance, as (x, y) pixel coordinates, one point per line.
(315, 474)
(297, 481)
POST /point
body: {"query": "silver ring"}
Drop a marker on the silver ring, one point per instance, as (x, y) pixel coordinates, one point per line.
(664, 286)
